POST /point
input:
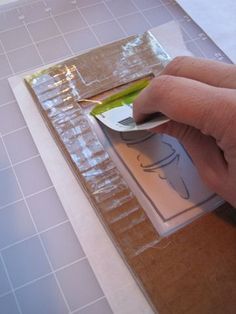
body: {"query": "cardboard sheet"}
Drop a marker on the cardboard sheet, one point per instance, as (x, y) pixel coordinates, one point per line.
(192, 271)
(84, 221)
(65, 94)
(56, 172)
(120, 284)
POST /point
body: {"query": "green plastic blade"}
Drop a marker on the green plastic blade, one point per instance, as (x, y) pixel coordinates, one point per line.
(126, 96)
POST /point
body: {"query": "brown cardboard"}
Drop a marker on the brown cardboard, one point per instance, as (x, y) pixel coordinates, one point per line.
(193, 270)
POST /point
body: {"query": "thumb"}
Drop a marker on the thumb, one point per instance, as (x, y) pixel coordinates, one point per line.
(204, 151)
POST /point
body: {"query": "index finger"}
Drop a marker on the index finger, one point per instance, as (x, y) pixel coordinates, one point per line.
(202, 106)
(211, 72)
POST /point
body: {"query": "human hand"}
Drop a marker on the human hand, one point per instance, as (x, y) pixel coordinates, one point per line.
(199, 96)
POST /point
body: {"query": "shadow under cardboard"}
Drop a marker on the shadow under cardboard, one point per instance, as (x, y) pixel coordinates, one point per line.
(227, 213)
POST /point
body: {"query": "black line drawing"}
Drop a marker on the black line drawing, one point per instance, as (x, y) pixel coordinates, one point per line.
(162, 165)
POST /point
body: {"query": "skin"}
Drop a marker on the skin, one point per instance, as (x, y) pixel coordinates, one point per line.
(199, 96)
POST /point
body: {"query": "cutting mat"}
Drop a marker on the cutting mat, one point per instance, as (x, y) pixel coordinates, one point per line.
(43, 268)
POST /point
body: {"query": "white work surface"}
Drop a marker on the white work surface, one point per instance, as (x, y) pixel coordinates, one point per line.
(44, 265)
(218, 19)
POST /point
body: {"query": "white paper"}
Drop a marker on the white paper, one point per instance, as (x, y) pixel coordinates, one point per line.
(162, 176)
(218, 19)
(121, 119)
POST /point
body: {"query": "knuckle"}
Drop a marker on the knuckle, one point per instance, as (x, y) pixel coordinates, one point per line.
(177, 130)
(228, 79)
(161, 90)
(161, 84)
(175, 65)
(185, 134)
